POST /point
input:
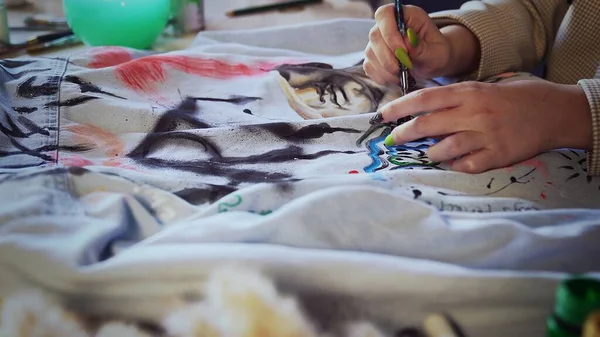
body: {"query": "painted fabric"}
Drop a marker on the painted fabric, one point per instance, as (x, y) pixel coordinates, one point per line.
(127, 176)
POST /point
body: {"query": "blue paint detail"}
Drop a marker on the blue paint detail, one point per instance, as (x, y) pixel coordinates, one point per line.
(376, 161)
(406, 156)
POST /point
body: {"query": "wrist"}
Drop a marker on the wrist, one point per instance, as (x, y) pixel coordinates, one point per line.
(463, 51)
(574, 129)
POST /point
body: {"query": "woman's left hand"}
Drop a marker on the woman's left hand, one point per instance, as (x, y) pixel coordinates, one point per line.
(489, 126)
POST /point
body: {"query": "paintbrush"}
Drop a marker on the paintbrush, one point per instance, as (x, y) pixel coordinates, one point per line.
(272, 7)
(403, 72)
(38, 40)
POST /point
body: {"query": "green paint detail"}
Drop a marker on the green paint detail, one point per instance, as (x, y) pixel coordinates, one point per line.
(263, 213)
(399, 162)
(225, 206)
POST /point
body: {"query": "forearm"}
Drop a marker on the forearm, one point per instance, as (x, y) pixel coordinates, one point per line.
(511, 34)
(465, 51)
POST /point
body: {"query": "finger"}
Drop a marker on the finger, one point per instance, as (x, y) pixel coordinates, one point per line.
(385, 17)
(379, 68)
(477, 162)
(430, 125)
(456, 145)
(415, 18)
(382, 52)
(428, 99)
(370, 71)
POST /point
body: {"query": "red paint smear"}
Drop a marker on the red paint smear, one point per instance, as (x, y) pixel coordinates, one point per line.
(145, 73)
(75, 161)
(353, 172)
(110, 56)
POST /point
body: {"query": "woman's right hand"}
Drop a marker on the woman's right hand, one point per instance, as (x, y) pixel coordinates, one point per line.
(428, 55)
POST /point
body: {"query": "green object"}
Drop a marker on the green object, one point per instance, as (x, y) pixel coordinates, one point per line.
(403, 58)
(576, 299)
(413, 38)
(127, 23)
(389, 140)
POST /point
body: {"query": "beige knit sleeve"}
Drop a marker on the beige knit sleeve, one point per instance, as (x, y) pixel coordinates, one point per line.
(513, 34)
(591, 87)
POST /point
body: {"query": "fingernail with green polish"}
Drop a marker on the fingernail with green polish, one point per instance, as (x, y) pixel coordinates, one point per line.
(413, 38)
(389, 140)
(403, 58)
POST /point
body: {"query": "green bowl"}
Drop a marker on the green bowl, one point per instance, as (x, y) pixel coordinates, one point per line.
(127, 23)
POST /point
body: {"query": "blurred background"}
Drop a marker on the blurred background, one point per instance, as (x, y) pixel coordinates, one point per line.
(428, 5)
(34, 26)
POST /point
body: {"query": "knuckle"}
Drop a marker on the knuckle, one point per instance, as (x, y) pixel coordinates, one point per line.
(374, 34)
(454, 146)
(478, 89)
(389, 66)
(421, 125)
(382, 11)
(370, 54)
(421, 96)
(371, 72)
(393, 38)
(367, 67)
(471, 167)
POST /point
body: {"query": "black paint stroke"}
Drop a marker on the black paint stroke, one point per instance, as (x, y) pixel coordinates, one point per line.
(328, 82)
(7, 67)
(20, 176)
(46, 148)
(208, 193)
(287, 131)
(72, 102)
(182, 114)
(24, 150)
(14, 63)
(287, 154)
(581, 164)
(217, 164)
(235, 175)
(29, 90)
(25, 110)
(32, 127)
(513, 180)
(233, 99)
(12, 130)
(88, 87)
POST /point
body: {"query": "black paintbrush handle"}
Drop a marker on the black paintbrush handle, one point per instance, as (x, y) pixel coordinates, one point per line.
(273, 7)
(50, 36)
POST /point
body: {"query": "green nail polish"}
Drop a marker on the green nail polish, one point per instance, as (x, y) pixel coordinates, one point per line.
(413, 38)
(389, 140)
(403, 58)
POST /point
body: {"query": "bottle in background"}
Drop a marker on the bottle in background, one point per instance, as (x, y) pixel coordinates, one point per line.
(576, 299)
(592, 325)
(4, 31)
(187, 17)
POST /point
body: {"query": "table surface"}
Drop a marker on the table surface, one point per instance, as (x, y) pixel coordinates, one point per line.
(215, 19)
